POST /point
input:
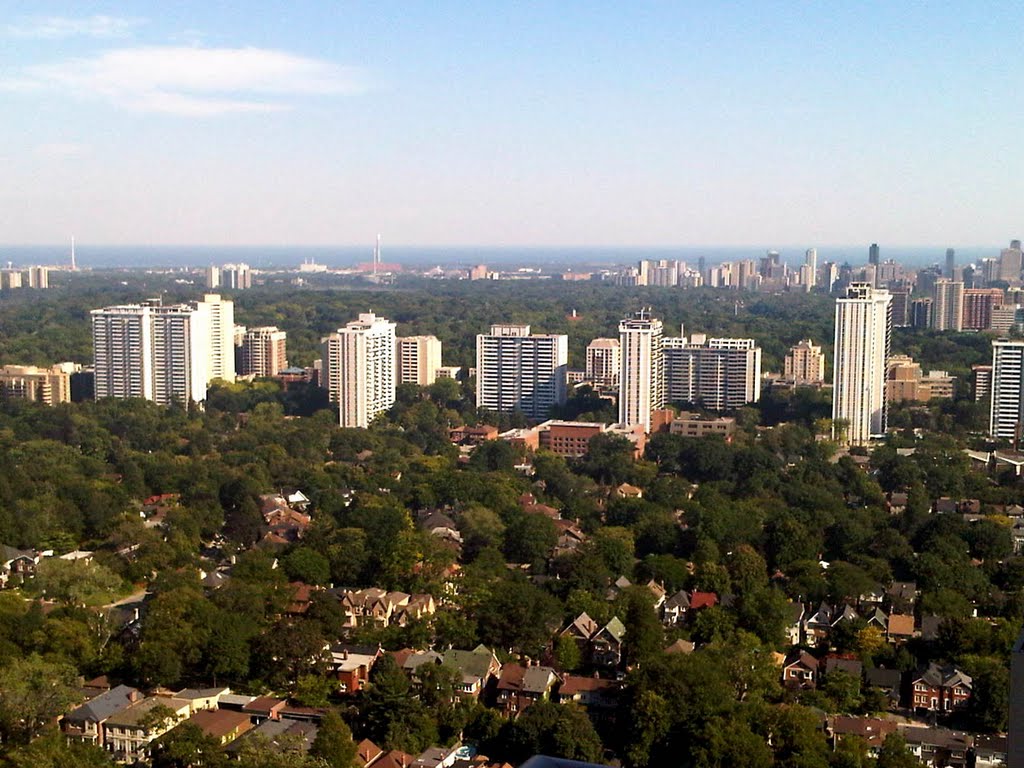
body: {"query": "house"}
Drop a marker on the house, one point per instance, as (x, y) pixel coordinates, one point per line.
(351, 665)
(86, 723)
(794, 623)
(570, 537)
(277, 736)
(367, 752)
(871, 730)
(940, 689)
(878, 619)
(396, 758)
(580, 630)
(129, 732)
(16, 565)
(900, 627)
(938, 746)
(627, 491)
(902, 595)
(606, 644)
(478, 667)
(658, 592)
(897, 502)
(617, 587)
(416, 659)
(593, 693)
(800, 670)
(888, 681)
(520, 686)
(264, 708)
(989, 751)
(202, 698)
(873, 597)
(818, 624)
(701, 600)
(681, 646)
(847, 663)
(673, 610)
(223, 725)
(380, 608)
(440, 526)
(847, 613)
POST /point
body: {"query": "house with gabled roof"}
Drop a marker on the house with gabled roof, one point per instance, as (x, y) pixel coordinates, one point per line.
(477, 667)
(16, 565)
(940, 688)
(606, 644)
(674, 609)
(819, 623)
(129, 732)
(87, 722)
(520, 686)
(800, 670)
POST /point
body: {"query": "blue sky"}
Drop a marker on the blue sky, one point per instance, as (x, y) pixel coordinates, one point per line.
(743, 123)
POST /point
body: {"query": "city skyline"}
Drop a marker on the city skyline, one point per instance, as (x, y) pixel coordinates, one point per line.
(671, 124)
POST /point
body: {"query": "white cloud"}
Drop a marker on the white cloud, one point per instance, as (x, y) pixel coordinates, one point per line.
(60, 27)
(60, 149)
(192, 81)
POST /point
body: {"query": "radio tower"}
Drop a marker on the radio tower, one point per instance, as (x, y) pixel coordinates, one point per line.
(376, 256)
(73, 267)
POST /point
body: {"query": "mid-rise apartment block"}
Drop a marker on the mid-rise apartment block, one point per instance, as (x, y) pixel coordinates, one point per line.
(418, 359)
(49, 386)
(978, 306)
(804, 363)
(520, 371)
(604, 359)
(359, 369)
(720, 374)
(263, 351)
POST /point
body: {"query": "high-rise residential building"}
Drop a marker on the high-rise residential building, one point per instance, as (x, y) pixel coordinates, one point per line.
(863, 329)
(663, 272)
(641, 372)
(900, 307)
(1010, 263)
(1015, 727)
(263, 351)
(948, 307)
(1006, 413)
(221, 321)
(359, 369)
(805, 363)
(236, 276)
(520, 371)
(150, 351)
(10, 279)
(978, 304)
(719, 374)
(604, 359)
(213, 277)
(49, 386)
(418, 359)
(981, 381)
(1006, 317)
(887, 273)
(950, 263)
(921, 313)
(38, 277)
(873, 254)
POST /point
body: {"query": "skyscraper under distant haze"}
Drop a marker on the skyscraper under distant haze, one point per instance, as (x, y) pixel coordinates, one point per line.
(862, 338)
(950, 263)
(873, 254)
(641, 377)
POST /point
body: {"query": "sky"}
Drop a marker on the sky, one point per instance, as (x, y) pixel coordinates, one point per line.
(511, 124)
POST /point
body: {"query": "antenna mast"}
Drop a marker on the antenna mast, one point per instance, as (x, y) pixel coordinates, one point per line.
(376, 256)
(73, 267)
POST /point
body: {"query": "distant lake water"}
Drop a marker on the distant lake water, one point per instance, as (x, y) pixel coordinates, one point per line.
(268, 257)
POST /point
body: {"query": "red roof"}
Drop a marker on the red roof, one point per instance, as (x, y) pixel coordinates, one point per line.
(703, 600)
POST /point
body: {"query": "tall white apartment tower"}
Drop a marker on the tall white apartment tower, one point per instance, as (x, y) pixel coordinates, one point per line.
(604, 359)
(1006, 412)
(417, 359)
(809, 270)
(359, 369)
(153, 352)
(517, 371)
(641, 376)
(221, 318)
(862, 339)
